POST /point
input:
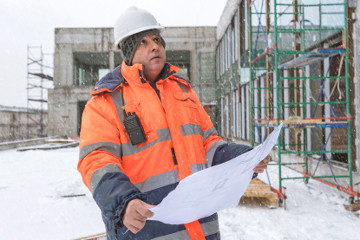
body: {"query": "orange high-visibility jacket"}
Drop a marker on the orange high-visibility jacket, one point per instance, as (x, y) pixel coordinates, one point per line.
(180, 140)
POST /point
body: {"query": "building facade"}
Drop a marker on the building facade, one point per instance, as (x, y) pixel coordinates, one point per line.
(257, 88)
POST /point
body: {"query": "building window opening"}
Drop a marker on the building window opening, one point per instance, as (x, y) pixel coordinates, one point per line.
(89, 67)
(180, 59)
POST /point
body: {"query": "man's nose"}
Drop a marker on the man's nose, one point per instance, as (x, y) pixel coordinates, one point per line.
(154, 46)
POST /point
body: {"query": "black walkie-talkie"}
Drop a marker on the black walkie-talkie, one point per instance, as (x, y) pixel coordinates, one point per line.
(134, 129)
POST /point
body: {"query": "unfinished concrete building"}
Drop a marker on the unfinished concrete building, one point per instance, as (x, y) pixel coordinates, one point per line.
(84, 55)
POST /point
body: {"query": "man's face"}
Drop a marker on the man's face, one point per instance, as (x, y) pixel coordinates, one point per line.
(151, 54)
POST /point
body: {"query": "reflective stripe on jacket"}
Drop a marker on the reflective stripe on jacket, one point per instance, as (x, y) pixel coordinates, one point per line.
(180, 140)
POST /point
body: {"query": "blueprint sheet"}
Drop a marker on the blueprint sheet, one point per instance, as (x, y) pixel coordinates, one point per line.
(208, 191)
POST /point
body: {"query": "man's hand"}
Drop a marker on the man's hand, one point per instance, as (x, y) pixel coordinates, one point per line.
(262, 165)
(135, 215)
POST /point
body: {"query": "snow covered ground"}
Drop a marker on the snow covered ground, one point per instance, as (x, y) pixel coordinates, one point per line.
(34, 204)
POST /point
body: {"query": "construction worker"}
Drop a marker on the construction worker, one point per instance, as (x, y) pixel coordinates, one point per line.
(142, 132)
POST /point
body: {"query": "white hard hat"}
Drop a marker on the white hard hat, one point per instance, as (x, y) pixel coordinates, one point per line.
(132, 21)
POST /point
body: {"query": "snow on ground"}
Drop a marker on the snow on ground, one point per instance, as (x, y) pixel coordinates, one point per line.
(32, 204)
(313, 211)
(32, 184)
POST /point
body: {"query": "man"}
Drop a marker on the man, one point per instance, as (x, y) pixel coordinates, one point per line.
(143, 131)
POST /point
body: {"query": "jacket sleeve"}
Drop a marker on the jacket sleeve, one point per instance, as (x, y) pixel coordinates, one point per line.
(100, 162)
(227, 152)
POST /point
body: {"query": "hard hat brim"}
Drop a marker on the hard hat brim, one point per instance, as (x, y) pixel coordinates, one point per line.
(117, 42)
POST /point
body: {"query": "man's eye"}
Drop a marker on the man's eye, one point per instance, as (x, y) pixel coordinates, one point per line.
(142, 42)
(157, 39)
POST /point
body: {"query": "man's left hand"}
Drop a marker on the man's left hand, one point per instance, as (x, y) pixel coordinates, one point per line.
(262, 165)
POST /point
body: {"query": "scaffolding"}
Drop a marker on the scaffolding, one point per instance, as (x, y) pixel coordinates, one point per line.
(302, 80)
(39, 79)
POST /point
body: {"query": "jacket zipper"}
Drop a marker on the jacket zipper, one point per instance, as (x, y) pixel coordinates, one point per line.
(158, 94)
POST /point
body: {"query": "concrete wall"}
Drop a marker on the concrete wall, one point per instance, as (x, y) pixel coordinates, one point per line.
(63, 106)
(13, 123)
(64, 98)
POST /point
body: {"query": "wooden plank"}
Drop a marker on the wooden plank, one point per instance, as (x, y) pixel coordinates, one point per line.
(302, 122)
(258, 189)
(294, 121)
(353, 207)
(100, 236)
(270, 202)
(259, 192)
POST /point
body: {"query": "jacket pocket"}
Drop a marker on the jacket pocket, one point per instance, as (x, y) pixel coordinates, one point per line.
(188, 108)
(136, 108)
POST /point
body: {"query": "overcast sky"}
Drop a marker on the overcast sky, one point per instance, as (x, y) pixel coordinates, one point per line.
(32, 22)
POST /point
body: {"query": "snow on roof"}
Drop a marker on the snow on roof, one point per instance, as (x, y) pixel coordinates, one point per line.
(226, 16)
(17, 109)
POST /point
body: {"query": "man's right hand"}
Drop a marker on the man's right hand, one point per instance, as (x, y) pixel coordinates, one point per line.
(135, 215)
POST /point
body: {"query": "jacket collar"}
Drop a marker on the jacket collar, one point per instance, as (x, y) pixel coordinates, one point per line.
(133, 74)
(109, 83)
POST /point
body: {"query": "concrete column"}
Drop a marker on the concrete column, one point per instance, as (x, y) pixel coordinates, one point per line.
(194, 70)
(326, 91)
(227, 115)
(274, 96)
(243, 113)
(301, 94)
(308, 106)
(248, 111)
(356, 83)
(222, 112)
(256, 110)
(111, 60)
(246, 29)
(286, 110)
(262, 102)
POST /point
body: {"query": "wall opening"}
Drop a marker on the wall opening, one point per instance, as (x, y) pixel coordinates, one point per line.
(80, 109)
(180, 59)
(89, 67)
